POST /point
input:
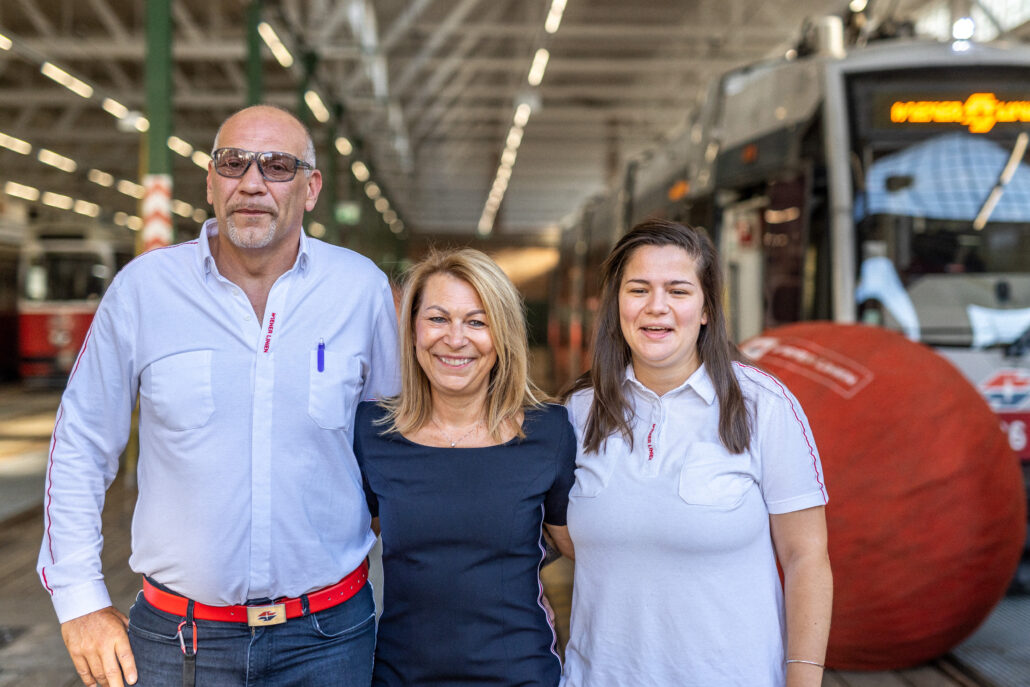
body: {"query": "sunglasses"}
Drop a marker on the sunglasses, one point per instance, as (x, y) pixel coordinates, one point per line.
(273, 166)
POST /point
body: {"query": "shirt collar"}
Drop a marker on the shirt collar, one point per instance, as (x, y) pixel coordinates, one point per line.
(700, 382)
(303, 262)
(209, 230)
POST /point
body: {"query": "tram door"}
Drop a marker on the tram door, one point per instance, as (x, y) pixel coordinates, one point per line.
(763, 241)
(741, 236)
(783, 251)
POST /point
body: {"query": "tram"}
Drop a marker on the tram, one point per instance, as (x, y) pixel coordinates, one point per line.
(10, 248)
(887, 184)
(63, 271)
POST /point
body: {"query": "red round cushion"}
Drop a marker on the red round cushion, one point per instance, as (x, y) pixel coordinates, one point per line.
(927, 510)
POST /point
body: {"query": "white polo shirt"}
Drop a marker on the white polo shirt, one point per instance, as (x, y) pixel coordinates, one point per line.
(248, 486)
(675, 577)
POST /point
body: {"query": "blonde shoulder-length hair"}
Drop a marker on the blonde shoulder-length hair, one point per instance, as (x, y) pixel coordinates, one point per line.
(510, 390)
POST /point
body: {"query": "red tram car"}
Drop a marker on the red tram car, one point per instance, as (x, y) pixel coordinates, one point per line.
(10, 239)
(63, 272)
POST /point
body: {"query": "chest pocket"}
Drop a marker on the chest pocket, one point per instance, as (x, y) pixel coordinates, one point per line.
(333, 392)
(715, 478)
(179, 389)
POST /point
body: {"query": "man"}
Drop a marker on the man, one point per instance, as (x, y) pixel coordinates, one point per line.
(249, 349)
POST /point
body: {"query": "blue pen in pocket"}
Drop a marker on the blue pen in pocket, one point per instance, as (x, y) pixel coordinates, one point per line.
(321, 355)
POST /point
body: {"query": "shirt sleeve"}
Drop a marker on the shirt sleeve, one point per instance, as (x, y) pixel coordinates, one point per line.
(383, 378)
(556, 503)
(791, 471)
(90, 433)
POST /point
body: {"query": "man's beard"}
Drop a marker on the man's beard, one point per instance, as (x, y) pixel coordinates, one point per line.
(249, 239)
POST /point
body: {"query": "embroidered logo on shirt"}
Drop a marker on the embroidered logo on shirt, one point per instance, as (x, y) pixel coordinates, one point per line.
(271, 327)
(650, 445)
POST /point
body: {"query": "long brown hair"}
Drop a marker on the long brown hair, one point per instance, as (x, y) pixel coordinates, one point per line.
(609, 412)
(510, 389)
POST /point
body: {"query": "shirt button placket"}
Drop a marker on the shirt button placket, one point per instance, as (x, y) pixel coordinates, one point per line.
(238, 296)
(246, 312)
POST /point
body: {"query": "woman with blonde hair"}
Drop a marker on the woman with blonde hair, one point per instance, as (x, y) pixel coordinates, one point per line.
(462, 471)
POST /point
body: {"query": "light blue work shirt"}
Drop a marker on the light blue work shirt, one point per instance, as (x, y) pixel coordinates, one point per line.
(248, 487)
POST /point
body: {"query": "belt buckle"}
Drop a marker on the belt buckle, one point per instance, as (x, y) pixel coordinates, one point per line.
(273, 614)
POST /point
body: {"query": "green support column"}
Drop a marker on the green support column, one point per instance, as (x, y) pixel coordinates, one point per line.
(330, 169)
(309, 60)
(157, 182)
(255, 84)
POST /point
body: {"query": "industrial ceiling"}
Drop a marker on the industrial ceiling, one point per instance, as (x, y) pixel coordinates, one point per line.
(425, 91)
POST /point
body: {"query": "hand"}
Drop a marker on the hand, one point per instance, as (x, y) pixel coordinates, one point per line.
(547, 608)
(99, 647)
(561, 539)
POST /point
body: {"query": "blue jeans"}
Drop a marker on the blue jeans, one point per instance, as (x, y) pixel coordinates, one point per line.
(330, 648)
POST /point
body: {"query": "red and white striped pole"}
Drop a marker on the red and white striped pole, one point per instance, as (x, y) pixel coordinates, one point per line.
(157, 211)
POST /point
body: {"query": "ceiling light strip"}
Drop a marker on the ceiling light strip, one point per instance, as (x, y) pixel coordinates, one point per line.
(73, 84)
(517, 130)
(553, 20)
(96, 176)
(279, 51)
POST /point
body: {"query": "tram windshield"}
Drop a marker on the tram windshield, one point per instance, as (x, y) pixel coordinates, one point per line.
(65, 276)
(944, 231)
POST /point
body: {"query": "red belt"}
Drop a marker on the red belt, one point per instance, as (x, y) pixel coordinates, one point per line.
(270, 614)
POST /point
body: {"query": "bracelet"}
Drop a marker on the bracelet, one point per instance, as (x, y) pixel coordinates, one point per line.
(811, 663)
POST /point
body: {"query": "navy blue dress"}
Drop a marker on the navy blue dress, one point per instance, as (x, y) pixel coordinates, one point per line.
(462, 549)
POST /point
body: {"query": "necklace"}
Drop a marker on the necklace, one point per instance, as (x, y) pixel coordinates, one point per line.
(453, 442)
